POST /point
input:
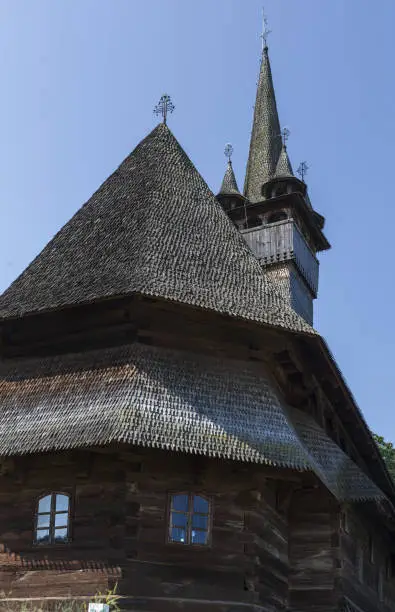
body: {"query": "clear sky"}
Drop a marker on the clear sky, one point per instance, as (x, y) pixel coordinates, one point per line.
(80, 80)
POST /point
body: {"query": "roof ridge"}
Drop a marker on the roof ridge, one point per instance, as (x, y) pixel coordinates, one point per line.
(155, 228)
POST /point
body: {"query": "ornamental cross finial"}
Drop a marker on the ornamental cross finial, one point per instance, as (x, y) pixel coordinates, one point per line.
(285, 135)
(302, 170)
(265, 30)
(229, 151)
(164, 106)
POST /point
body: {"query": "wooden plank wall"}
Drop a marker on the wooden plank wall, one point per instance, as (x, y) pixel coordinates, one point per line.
(277, 543)
(363, 577)
(119, 531)
(313, 544)
(267, 548)
(119, 526)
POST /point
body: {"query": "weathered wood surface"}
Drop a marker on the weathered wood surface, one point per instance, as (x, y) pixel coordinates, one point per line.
(284, 241)
(277, 543)
(119, 530)
(360, 572)
(312, 550)
(300, 377)
(115, 322)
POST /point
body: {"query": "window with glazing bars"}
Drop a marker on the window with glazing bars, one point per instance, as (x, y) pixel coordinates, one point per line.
(52, 519)
(189, 519)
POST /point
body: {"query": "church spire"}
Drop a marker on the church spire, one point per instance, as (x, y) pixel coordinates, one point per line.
(265, 144)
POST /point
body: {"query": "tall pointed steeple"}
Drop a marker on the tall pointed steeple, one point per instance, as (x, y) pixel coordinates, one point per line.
(276, 218)
(265, 144)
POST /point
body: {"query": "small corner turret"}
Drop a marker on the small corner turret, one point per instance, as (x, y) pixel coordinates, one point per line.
(229, 195)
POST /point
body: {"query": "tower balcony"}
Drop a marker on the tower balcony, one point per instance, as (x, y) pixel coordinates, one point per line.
(283, 241)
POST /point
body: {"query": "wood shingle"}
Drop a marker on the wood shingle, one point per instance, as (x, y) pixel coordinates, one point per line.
(153, 228)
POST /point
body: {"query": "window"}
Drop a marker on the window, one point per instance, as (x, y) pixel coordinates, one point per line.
(189, 519)
(52, 519)
(279, 190)
(342, 443)
(330, 426)
(277, 216)
(254, 222)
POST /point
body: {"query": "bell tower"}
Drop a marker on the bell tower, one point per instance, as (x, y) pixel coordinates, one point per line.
(276, 217)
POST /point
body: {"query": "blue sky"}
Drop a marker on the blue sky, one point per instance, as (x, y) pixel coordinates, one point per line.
(80, 80)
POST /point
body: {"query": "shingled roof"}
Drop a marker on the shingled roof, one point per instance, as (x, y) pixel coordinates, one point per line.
(229, 183)
(265, 144)
(284, 167)
(154, 228)
(168, 399)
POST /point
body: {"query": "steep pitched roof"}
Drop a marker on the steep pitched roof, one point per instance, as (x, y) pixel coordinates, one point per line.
(265, 144)
(229, 183)
(168, 399)
(283, 167)
(155, 228)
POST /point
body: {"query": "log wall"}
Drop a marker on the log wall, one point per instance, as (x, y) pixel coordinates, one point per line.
(366, 575)
(276, 537)
(279, 539)
(119, 532)
(313, 545)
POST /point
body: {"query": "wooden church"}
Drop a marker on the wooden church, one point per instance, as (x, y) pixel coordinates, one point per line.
(170, 420)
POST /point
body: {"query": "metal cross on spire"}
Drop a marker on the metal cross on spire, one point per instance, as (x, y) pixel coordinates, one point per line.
(164, 106)
(228, 151)
(302, 170)
(285, 135)
(265, 30)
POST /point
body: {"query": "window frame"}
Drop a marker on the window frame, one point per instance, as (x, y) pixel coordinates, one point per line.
(191, 495)
(278, 216)
(52, 514)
